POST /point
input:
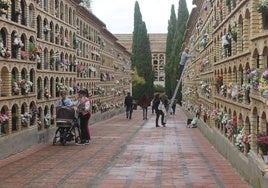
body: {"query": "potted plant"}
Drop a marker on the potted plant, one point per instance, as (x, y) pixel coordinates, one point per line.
(262, 143)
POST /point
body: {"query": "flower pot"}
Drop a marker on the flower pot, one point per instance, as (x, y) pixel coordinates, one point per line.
(265, 158)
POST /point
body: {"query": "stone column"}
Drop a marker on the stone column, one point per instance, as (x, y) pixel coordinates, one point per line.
(245, 37)
(261, 61)
(18, 114)
(254, 132)
(239, 40)
(9, 126)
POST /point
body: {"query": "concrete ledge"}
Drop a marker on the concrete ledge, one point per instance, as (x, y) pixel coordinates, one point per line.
(251, 167)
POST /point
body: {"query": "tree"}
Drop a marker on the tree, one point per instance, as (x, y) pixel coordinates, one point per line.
(175, 48)
(183, 15)
(141, 56)
(138, 83)
(169, 69)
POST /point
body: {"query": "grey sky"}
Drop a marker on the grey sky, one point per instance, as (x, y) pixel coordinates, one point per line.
(118, 15)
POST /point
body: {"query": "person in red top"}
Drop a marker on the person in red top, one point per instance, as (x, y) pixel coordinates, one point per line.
(83, 105)
(144, 103)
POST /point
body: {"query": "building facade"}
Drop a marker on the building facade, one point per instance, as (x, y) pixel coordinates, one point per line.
(158, 50)
(49, 46)
(226, 83)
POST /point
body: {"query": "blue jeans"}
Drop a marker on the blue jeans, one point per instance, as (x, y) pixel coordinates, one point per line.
(144, 112)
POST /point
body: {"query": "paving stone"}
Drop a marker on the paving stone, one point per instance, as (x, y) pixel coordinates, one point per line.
(125, 153)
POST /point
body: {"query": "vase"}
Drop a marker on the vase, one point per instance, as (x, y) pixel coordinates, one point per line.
(265, 158)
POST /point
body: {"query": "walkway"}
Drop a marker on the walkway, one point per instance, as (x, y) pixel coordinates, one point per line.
(125, 153)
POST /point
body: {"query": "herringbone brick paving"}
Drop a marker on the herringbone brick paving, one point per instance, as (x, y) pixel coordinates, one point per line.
(125, 153)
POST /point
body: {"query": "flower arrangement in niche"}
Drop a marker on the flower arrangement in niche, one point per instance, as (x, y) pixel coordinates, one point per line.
(26, 85)
(4, 118)
(219, 82)
(4, 51)
(223, 91)
(75, 42)
(261, 6)
(46, 29)
(264, 80)
(217, 115)
(47, 120)
(206, 89)
(230, 129)
(242, 140)
(60, 87)
(23, 55)
(204, 40)
(47, 94)
(66, 42)
(253, 75)
(25, 118)
(262, 142)
(233, 32)
(17, 42)
(15, 88)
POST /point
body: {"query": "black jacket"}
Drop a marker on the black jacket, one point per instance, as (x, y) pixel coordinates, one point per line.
(128, 101)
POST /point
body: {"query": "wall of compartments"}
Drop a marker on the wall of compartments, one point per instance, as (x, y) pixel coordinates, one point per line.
(52, 45)
(226, 84)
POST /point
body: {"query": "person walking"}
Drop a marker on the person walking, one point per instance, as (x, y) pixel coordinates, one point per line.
(152, 105)
(129, 105)
(159, 106)
(84, 114)
(144, 103)
(166, 103)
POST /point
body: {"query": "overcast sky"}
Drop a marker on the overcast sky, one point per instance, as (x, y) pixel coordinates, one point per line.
(118, 15)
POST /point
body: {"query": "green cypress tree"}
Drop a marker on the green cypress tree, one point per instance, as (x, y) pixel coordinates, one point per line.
(141, 56)
(169, 69)
(183, 15)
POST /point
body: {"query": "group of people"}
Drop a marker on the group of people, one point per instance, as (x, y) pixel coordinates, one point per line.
(160, 105)
(82, 105)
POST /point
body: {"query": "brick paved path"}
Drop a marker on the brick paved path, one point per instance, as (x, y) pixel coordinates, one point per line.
(125, 154)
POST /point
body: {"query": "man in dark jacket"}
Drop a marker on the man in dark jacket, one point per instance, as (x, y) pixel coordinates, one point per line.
(129, 105)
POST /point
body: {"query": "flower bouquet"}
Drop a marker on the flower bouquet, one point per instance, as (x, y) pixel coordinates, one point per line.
(262, 142)
(261, 6)
(3, 118)
(242, 140)
(219, 82)
(264, 80)
(233, 33)
(25, 85)
(25, 118)
(46, 29)
(253, 75)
